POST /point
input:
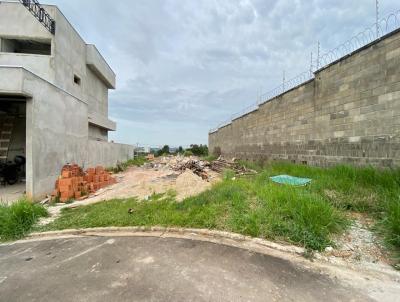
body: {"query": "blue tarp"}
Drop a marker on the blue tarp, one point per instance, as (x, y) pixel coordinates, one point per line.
(290, 180)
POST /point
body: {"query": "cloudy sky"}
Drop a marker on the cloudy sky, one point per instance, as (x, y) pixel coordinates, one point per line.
(184, 66)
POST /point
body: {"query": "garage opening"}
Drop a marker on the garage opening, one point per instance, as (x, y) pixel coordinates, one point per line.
(12, 149)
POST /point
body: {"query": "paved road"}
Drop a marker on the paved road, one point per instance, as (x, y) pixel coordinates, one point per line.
(155, 269)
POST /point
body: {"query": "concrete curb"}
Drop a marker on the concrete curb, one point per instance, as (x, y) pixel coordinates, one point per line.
(170, 232)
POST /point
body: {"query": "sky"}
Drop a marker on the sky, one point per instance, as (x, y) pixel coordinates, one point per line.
(185, 66)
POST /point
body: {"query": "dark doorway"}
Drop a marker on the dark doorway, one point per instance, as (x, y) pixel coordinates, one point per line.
(12, 148)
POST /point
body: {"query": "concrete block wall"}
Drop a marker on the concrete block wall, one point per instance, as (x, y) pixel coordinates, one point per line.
(350, 113)
(108, 154)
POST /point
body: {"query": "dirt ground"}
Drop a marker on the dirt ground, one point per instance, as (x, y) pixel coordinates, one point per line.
(359, 247)
(159, 176)
(141, 182)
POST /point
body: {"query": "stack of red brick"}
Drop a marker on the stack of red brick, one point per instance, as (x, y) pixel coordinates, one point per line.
(74, 183)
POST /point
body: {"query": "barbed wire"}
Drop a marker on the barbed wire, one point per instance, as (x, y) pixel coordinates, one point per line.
(286, 86)
(363, 38)
(370, 34)
(266, 97)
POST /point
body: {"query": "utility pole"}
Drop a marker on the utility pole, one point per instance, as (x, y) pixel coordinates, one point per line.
(319, 46)
(377, 17)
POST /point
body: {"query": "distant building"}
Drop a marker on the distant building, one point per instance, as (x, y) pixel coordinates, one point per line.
(173, 150)
(142, 150)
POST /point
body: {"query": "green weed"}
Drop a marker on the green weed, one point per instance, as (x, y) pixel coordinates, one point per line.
(17, 219)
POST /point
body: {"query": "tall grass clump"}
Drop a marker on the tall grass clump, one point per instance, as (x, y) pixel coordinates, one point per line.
(17, 219)
(391, 223)
(368, 190)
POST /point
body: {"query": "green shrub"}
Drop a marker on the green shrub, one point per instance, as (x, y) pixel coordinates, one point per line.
(120, 167)
(188, 153)
(17, 219)
(228, 174)
(198, 150)
(209, 158)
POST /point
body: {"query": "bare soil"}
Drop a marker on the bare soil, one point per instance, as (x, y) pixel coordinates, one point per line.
(156, 177)
(359, 246)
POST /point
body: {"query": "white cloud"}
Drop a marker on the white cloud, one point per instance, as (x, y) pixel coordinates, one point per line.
(184, 66)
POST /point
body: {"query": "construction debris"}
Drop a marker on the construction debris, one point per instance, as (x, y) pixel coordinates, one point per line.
(190, 184)
(187, 175)
(220, 164)
(199, 167)
(150, 157)
(74, 183)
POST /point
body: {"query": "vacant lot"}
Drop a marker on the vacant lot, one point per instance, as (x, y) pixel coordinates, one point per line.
(308, 216)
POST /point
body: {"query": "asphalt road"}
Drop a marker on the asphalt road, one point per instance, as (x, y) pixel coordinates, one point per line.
(155, 269)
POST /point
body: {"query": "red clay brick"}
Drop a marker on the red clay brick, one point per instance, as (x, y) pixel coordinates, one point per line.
(66, 174)
(65, 188)
(65, 182)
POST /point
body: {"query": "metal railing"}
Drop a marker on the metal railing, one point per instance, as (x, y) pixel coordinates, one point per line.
(383, 27)
(40, 13)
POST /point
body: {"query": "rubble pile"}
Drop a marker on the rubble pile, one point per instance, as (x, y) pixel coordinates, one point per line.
(199, 167)
(221, 164)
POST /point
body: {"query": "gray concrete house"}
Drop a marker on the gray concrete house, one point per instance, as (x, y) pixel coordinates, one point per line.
(53, 97)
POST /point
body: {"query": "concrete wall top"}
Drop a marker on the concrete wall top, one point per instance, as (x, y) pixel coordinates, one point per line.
(99, 66)
(17, 82)
(13, 14)
(13, 87)
(100, 121)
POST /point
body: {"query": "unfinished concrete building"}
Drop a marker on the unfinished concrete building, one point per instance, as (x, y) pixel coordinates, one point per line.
(53, 97)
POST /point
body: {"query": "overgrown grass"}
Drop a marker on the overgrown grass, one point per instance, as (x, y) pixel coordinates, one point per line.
(367, 190)
(255, 206)
(17, 219)
(120, 167)
(346, 187)
(390, 224)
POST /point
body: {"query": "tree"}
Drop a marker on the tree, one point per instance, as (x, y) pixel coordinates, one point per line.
(199, 150)
(164, 150)
(180, 150)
